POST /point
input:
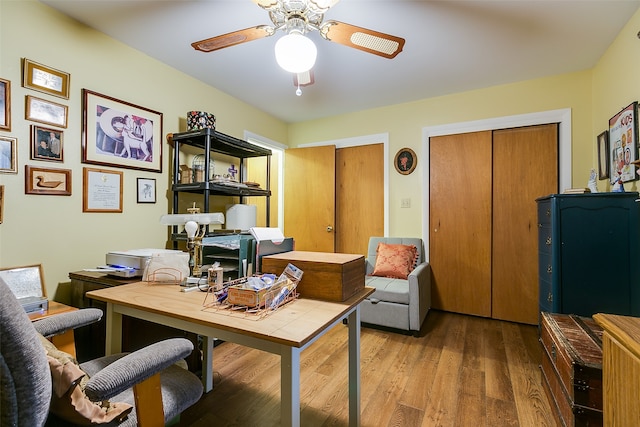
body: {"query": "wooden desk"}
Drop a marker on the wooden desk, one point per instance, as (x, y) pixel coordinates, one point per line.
(286, 332)
(620, 369)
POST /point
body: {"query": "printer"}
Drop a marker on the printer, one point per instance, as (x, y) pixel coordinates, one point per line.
(130, 263)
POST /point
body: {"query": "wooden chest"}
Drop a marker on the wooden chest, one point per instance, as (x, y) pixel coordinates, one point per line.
(572, 368)
(327, 276)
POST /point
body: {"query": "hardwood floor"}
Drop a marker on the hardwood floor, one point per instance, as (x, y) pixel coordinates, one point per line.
(460, 371)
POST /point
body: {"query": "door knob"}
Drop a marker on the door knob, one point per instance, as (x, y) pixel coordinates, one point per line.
(329, 229)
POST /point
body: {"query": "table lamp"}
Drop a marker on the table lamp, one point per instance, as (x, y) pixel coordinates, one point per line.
(193, 225)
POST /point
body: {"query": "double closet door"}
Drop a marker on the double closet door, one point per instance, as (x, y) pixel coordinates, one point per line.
(483, 219)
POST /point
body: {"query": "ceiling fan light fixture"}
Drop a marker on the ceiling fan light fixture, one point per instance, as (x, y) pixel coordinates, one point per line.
(296, 53)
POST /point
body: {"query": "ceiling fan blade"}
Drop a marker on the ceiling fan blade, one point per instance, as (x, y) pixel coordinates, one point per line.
(303, 79)
(233, 38)
(380, 44)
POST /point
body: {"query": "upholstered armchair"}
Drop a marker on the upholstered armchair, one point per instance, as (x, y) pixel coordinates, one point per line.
(402, 279)
(145, 387)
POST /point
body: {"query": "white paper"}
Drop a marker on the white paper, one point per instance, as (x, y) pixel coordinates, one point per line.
(267, 233)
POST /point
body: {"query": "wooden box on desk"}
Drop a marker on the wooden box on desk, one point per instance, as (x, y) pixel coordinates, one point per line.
(327, 276)
(572, 368)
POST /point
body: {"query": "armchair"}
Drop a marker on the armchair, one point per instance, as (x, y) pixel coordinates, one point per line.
(397, 303)
(147, 379)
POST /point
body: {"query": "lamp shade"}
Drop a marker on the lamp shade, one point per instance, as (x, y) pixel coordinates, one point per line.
(296, 53)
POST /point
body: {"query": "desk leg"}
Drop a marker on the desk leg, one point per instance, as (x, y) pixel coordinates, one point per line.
(207, 363)
(354, 367)
(114, 331)
(290, 386)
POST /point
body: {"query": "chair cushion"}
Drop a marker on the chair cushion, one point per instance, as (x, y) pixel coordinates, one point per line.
(395, 260)
(388, 289)
(68, 400)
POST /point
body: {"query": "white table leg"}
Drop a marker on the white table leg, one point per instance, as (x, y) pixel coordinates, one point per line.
(290, 386)
(207, 363)
(113, 342)
(354, 367)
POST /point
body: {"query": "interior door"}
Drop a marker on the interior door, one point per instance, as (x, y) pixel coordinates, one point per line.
(359, 197)
(309, 201)
(460, 184)
(525, 167)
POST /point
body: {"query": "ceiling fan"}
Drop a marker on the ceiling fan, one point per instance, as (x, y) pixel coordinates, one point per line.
(295, 52)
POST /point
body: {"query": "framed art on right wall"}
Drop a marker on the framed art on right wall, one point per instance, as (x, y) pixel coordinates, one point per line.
(623, 144)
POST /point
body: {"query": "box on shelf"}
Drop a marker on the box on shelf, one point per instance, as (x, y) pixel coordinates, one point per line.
(327, 276)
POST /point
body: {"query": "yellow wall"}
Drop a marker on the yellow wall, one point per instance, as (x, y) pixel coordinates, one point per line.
(52, 230)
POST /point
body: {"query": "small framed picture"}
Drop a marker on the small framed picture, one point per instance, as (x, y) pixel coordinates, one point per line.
(39, 110)
(146, 190)
(603, 155)
(405, 161)
(46, 144)
(8, 155)
(55, 182)
(5, 105)
(45, 79)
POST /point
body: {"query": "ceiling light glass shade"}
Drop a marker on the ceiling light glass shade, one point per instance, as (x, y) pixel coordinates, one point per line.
(296, 53)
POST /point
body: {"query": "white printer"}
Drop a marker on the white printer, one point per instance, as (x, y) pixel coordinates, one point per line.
(130, 263)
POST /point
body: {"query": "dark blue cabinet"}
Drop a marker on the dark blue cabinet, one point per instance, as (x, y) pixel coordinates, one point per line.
(588, 253)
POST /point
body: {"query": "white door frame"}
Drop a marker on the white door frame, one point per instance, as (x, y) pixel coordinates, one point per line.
(561, 116)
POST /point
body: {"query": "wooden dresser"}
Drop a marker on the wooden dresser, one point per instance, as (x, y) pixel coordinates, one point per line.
(620, 369)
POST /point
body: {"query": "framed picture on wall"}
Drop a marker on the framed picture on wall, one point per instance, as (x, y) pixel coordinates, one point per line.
(55, 182)
(45, 79)
(623, 144)
(8, 155)
(46, 144)
(5, 105)
(121, 134)
(405, 161)
(42, 111)
(146, 190)
(603, 155)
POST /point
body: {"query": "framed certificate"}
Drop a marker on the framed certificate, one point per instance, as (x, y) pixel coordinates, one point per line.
(45, 79)
(102, 190)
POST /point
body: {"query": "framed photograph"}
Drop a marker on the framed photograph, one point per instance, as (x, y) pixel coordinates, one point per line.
(1, 202)
(5, 105)
(623, 144)
(603, 155)
(121, 134)
(26, 281)
(8, 155)
(46, 144)
(101, 190)
(54, 182)
(405, 161)
(51, 113)
(146, 190)
(45, 79)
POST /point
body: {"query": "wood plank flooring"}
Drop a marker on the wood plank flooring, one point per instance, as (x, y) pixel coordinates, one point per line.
(460, 371)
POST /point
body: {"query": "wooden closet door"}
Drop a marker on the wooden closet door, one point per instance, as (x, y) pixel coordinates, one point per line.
(460, 222)
(525, 167)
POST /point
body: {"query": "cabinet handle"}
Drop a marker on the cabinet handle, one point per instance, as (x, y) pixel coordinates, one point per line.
(548, 213)
(550, 297)
(549, 269)
(548, 241)
(329, 229)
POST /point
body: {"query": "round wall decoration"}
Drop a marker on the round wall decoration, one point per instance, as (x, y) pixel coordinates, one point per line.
(405, 161)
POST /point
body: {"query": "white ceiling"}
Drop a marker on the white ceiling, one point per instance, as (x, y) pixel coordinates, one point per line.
(451, 46)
